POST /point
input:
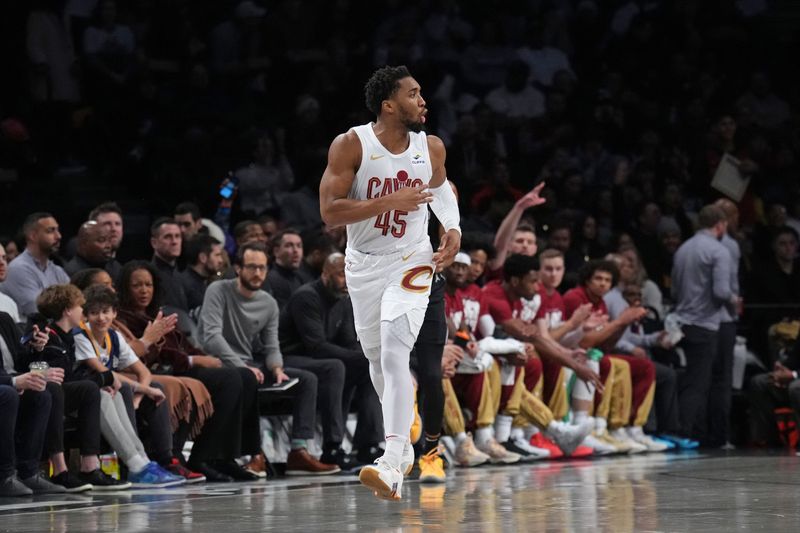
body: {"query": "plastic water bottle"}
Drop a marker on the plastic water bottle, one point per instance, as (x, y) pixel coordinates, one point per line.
(109, 463)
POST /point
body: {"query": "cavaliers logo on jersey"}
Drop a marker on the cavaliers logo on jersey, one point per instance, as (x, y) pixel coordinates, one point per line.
(411, 276)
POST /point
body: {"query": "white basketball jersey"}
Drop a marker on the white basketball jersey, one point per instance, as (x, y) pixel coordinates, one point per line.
(380, 173)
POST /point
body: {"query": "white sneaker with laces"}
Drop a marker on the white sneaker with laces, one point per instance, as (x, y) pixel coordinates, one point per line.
(384, 480)
(622, 436)
(568, 436)
(638, 435)
(599, 447)
(468, 455)
(497, 453)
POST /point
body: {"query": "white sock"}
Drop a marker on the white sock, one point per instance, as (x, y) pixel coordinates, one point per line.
(460, 437)
(517, 434)
(580, 417)
(394, 450)
(530, 430)
(483, 435)
(600, 424)
(502, 427)
(137, 463)
(583, 390)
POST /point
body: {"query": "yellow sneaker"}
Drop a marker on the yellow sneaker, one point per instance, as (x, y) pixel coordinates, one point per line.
(416, 426)
(431, 467)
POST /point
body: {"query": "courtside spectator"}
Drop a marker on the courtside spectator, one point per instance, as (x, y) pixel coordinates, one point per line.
(7, 305)
(94, 250)
(33, 271)
(284, 275)
(239, 324)
(204, 263)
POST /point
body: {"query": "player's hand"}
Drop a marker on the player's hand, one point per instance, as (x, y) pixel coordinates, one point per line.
(632, 314)
(532, 199)
(410, 198)
(580, 315)
(639, 352)
(588, 375)
(595, 320)
(448, 248)
(517, 359)
(779, 377)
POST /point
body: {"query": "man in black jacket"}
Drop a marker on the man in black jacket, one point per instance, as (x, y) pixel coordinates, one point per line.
(318, 320)
(768, 391)
(24, 414)
(284, 276)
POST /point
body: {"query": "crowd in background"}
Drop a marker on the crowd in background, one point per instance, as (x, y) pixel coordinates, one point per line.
(624, 109)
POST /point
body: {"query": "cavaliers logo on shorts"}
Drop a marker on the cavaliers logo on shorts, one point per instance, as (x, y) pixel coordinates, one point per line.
(412, 275)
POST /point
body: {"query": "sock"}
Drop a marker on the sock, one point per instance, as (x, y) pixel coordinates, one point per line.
(394, 450)
(483, 435)
(579, 418)
(298, 444)
(431, 442)
(460, 437)
(600, 424)
(530, 430)
(517, 434)
(137, 463)
(502, 427)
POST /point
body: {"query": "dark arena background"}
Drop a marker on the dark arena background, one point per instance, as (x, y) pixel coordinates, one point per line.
(666, 134)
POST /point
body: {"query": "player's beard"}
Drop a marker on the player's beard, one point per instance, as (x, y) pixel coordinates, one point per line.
(412, 124)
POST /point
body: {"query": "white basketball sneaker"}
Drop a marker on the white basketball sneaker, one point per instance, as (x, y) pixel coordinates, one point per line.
(385, 481)
(407, 461)
(568, 436)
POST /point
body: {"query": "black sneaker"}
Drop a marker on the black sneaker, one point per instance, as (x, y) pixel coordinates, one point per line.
(71, 482)
(369, 455)
(341, 458)
(524, 456)
(211, 474)
(232, 469)
(101, 481)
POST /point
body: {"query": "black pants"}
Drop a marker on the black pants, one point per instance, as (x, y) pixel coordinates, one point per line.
(304, 400)
(700, 346)
(233, 429)
(666, 400)
(23, 427)
(427, 358)
(82, 399)
(330, 374)
(764, 399)
(719, 401)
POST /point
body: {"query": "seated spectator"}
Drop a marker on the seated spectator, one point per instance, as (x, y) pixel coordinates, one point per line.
(634, 273)
(62, 304)
(317, 333)
(165, 239)
(768, 391)
(200, 379)
(249, 231)
(204, 263)
(317, 247)
(516, 99)
(24, 413)
(265, 181)
(110, 50)
(33, 271)
(284, 276)
(775, 283)
(269, 224)
(101, 351)
(11, 247)
(109, 215)
(7, 305)
(94, 250)
(187, 217)
(239, 324)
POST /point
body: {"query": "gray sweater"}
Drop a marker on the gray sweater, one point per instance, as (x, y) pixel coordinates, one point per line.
(701, 281)
(240, 331)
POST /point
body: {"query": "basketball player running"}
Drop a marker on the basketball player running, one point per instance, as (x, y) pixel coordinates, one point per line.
(379, 181)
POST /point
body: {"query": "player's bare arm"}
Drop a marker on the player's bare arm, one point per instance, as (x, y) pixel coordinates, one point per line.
(344, 158)
(450, 242)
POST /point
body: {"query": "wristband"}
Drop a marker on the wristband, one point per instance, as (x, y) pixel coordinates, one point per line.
(794, 374)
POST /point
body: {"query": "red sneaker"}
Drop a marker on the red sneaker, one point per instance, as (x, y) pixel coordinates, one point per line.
(176, 468)
(540, 441)
(582, 451)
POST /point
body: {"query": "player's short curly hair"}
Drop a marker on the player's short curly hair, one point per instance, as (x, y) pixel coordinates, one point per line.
(382, 85)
